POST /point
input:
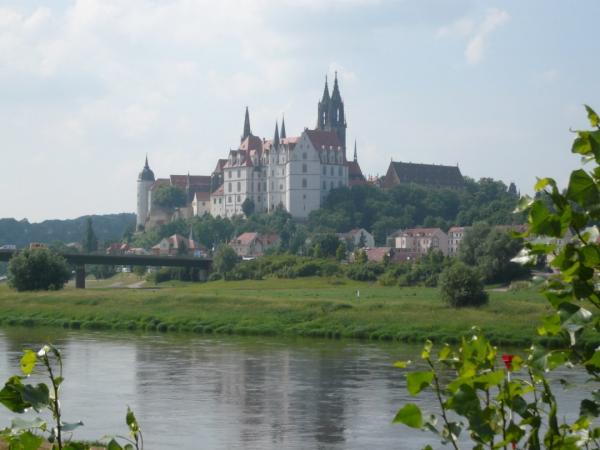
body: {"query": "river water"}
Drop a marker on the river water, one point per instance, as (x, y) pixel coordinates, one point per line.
(196, 392)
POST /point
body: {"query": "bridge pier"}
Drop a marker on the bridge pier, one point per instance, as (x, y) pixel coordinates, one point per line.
(80, 276)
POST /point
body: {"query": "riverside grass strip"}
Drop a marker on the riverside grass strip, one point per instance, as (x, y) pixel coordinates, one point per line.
(319, 307)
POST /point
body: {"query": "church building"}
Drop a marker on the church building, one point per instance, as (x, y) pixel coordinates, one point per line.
(295, 173)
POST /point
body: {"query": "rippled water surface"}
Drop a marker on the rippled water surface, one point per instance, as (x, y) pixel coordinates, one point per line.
(194, 392)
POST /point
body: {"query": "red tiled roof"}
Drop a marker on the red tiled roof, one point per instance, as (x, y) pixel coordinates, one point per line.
(458, 229)
(220, 164)
(323, 139)
(202, 195)
(252, 143)
(246, 238)
(219, 191)
(377, 254)
(195, 180)
(412, 231)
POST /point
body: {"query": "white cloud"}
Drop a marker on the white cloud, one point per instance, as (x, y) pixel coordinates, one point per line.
(477, 34)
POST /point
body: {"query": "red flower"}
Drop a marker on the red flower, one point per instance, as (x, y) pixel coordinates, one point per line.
(508, 361)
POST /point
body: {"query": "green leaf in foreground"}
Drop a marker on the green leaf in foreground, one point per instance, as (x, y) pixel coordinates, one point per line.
(410, 415)
(417, 381)
(28, 361)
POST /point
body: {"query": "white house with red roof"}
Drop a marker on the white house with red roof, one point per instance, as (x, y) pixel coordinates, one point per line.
(252, 244)
(421, 240)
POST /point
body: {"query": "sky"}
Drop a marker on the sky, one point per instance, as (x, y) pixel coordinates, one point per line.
(89, 87)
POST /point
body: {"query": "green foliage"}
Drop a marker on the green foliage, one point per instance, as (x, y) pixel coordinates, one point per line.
(21, 233)
(328, 244)
(284, 266)
(165, 274)
(491, 250)
(90, 241)
(248, 207)
(364, 271)
(340, 252)
(18, 397)
(102, 271)
(168, 197)
(462, 286)
(140, 271)
(224, 259)
(515, 406)
(405, 206)
(38, 269)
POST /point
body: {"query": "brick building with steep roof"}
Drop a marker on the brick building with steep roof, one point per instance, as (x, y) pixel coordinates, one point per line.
(424, 174)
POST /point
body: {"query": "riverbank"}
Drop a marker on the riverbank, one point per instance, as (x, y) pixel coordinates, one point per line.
(300, 307)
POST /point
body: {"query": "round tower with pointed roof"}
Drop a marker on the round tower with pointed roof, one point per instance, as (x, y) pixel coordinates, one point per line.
(144, 183)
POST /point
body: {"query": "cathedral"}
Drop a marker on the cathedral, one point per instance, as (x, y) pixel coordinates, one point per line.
(291, 172)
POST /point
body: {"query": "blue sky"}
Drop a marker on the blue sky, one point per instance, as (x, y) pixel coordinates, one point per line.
(88, 87)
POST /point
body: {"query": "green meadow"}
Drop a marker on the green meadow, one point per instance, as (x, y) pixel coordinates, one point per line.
(318, 307)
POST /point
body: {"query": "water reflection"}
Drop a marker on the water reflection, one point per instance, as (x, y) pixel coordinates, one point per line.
(231, 392)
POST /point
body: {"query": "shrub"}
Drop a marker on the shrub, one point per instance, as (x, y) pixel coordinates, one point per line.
(38, 269)
(364, 272)
(462, 285)
(215, 276)
(224, 259)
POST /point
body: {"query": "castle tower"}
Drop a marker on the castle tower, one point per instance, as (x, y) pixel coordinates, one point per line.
(283, 136)
(331, 116)
(144, 183)
(247, 132)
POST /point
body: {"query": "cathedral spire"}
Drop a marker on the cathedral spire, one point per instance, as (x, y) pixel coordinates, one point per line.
(247, 131)
(283, 136)
(326, 97)
(276, 137)
(335, 94)
(355, 153)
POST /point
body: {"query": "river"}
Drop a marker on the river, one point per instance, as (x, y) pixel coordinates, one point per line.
(225, 392)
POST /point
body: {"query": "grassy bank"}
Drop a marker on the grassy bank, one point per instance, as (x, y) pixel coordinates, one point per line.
(303, 307)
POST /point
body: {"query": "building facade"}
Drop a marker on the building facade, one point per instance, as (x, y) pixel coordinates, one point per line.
(294, 173)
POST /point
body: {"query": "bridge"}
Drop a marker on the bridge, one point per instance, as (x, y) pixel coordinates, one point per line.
(79, 260)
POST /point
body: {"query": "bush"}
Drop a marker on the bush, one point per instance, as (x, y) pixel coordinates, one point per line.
(36, 270)
(102, 271)
(462, 285)
(215, 276)
(364, 272)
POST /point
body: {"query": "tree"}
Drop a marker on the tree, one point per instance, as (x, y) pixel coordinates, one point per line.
(90, 241)
(328, 243)
(491, 250)
(461, 286)
(140, 271)
(362, 242)
(38, 269)
(224, 259)
(340, 253)
(169, 197)
(360, 256)
(248, 207)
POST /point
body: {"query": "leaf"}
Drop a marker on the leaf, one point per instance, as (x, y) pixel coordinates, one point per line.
(76, 446)
(113, 445)
(490, 379)
(132, 422)
(594, 361)
(543, 182)
(410, 415)
(28, 361)
(21, 424)
(402, 364)
(551, 326)
(589, 408)
(38, 396)
(26, 441)
(417, 381)
(592, 116)
(426, 352)
(573, 317)
(10, 396)
(582, 189)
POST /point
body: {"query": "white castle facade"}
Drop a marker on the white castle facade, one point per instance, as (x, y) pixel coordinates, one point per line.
(294, 173)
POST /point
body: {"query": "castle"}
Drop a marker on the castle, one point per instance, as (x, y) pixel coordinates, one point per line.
(295, 173)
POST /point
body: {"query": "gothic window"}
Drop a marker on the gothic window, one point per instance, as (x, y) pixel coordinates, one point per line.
(281, 187)
(215, 201)
(304, 168)
(258, 186)
(304, 183)
(220, 201)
